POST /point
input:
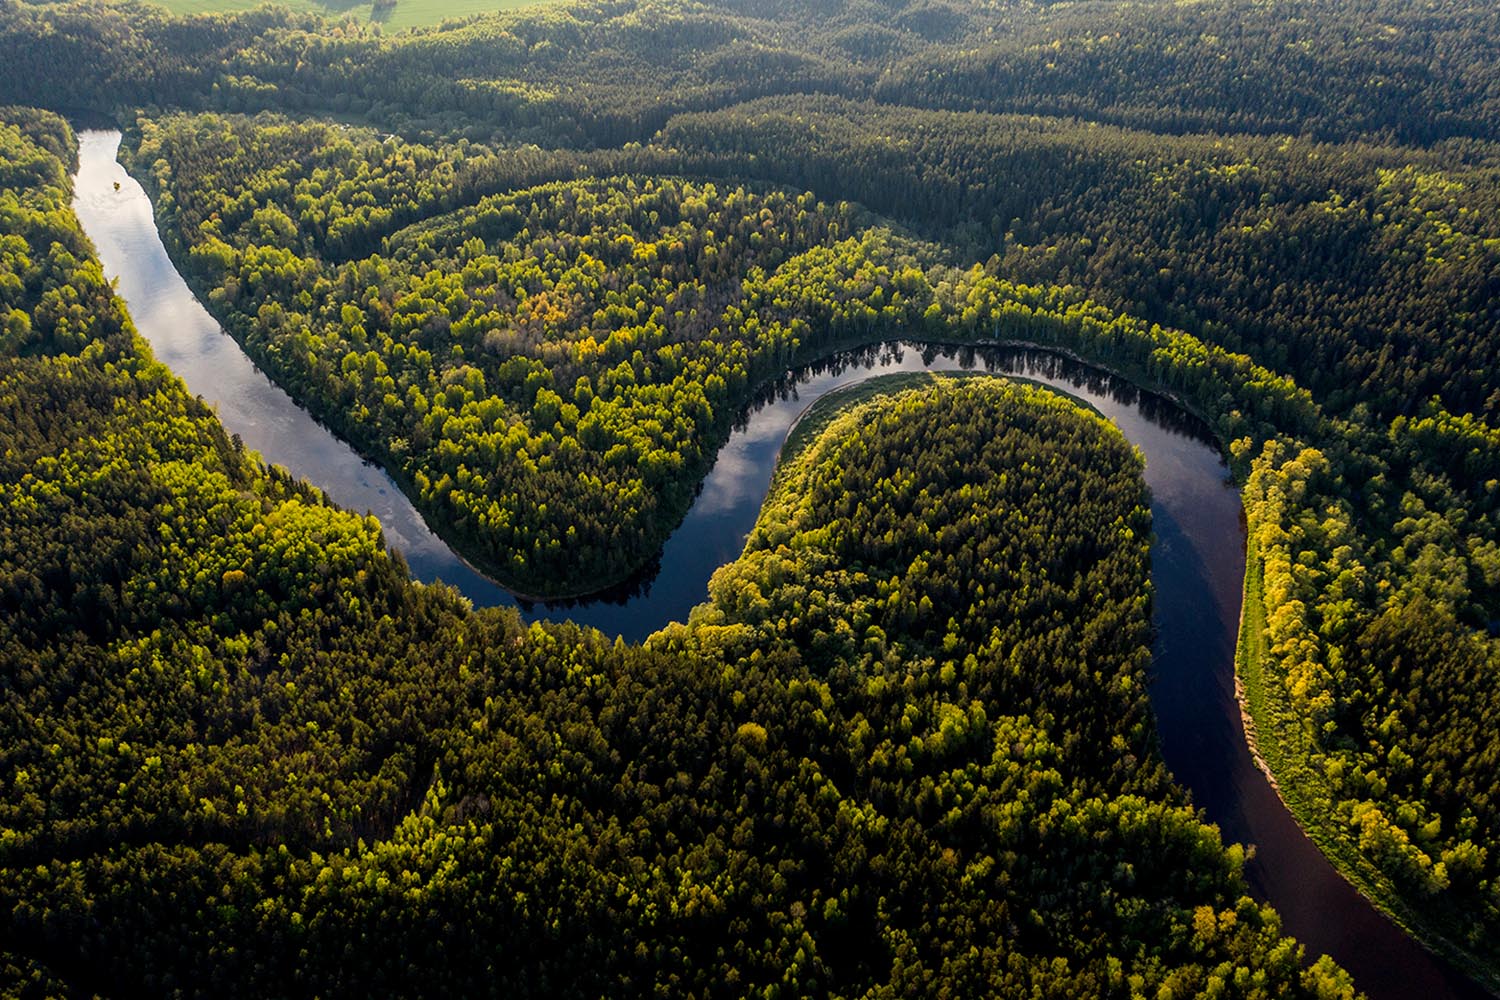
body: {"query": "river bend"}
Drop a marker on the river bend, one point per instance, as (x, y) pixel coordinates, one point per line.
(1197, 559)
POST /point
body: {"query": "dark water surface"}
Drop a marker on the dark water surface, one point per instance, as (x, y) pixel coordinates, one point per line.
(1197, 560)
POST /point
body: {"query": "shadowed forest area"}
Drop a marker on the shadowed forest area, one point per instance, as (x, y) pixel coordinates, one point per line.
(536, 265)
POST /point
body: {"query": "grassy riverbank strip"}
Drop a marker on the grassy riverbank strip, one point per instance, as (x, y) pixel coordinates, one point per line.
(1286, 752)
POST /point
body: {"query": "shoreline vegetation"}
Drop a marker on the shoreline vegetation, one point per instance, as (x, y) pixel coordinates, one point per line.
(1058, 327)
(799, 344)
(1266, 738)
(798, 789)
(585, 233)
(1249, 681)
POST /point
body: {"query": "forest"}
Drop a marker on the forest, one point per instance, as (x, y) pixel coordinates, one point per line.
(608, 72)
(536, 265)
(251, 758)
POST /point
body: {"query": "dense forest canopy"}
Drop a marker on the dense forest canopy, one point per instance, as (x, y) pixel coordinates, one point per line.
(536, 264)
(246, 756)
(604, 73)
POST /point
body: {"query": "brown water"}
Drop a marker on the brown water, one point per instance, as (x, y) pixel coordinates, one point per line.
(1197, 558)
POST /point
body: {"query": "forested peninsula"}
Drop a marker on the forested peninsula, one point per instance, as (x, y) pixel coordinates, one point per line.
(535, 265)
(804, 788)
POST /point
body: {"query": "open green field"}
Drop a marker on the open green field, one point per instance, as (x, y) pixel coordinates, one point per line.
(405, 14)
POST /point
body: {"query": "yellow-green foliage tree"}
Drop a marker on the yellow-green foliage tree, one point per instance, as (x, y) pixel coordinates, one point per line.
(245, 756)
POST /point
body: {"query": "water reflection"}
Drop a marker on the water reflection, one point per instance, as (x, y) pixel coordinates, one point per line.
(1197, 562)
(729, 500)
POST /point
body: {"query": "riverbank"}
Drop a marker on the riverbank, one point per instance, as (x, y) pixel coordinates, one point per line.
(1286, 754)
(1197, 568)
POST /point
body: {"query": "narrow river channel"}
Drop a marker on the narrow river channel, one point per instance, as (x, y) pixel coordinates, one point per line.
(1197, 559)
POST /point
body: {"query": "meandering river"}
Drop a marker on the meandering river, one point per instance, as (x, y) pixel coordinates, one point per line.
(1197, 559)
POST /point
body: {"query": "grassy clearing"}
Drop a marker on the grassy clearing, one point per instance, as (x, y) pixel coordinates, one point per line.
(405, 14)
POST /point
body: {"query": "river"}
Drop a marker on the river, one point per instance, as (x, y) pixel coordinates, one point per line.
(1197, 558)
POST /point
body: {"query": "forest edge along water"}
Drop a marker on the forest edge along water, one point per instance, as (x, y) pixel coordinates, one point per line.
(1197, 559)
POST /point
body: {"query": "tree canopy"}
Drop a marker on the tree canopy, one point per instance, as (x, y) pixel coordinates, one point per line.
(536, 264)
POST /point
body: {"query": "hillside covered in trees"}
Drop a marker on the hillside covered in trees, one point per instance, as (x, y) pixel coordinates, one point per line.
(248, 757)
(536, 264)
(606, 73)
